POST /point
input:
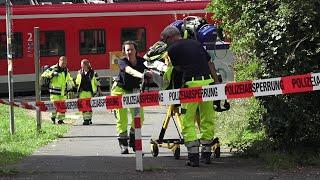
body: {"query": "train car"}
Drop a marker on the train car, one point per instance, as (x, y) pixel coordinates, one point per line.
(84, 30)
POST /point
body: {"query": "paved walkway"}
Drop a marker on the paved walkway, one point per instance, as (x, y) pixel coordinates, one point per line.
(92, 152)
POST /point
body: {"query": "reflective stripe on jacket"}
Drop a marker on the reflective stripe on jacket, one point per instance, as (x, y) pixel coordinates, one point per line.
(60, 83)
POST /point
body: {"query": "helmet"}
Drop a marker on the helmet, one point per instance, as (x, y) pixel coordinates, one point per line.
(195, 27)
(178, 24)
(192, 24)
(207, 35)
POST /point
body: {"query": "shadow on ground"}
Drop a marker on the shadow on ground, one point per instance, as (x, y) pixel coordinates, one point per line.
(106, 167)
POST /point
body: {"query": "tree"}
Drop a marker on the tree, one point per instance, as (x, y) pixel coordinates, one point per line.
(273, 38)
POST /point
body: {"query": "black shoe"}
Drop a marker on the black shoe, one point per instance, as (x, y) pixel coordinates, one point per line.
(193, 160)
(86, 122)
(124, 149)
(123, 143)
(60, 122)
(132, 140)
(206, 157)
(53, 120)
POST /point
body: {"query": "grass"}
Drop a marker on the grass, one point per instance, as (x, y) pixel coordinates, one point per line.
(297, 158)
(26, 138)
(277, 160)
(235, 129)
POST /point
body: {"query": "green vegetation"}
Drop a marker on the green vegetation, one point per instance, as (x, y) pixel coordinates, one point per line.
(239, 127)
(26, 138)
(273, 38)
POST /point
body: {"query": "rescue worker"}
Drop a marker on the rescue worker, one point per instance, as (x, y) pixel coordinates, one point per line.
(61, 83)
(88, 85)
(129, 78)
(190, 59)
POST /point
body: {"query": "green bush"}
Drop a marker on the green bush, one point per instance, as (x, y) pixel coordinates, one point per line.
(274, 38)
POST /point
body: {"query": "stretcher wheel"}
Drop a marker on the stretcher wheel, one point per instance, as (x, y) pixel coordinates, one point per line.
(217, 152)
(176, 153)
(154, 149)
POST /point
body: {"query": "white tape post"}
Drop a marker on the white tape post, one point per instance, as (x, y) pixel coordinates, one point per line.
(138, 139)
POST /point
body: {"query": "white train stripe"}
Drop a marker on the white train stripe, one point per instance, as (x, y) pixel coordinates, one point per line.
(31, 77)
(75, 15)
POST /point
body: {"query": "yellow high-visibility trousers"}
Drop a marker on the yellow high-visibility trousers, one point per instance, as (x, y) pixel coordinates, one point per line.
(58, 115)
(122, 114)
(207, 115)
(87, 115)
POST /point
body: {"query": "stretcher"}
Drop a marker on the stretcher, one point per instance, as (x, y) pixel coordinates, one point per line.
(173, 113)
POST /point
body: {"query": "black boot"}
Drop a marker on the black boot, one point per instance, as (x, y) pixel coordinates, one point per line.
(206, 157)
(132, 140)
(86, 122)
(193, 160)
(53, 120)
(60, 122)
(123, 143)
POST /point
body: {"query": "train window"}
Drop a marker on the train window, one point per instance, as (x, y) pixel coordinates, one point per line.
(16, 45)
(92, 41)
(52, 43)
(135, 34)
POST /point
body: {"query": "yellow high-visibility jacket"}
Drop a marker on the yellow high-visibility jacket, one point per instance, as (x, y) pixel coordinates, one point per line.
(60, 80)
(95, 80)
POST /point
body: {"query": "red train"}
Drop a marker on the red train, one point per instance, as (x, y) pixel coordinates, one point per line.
(78, 31)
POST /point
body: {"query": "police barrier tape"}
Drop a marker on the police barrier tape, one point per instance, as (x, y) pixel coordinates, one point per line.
(264, 87)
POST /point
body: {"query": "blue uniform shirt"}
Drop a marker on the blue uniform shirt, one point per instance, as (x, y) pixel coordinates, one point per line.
(191, 58)
(127, 81)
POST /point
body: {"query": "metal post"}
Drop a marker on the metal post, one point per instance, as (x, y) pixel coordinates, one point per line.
(110, 84)
(37, 73)
(10, 66)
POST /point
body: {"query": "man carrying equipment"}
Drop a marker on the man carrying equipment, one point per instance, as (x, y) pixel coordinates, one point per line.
(194, 64)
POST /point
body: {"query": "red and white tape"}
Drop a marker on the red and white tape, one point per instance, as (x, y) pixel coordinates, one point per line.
(25, 105)
(264, 87)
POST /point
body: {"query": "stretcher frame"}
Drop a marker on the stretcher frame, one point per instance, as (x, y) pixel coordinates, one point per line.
(174, 112)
